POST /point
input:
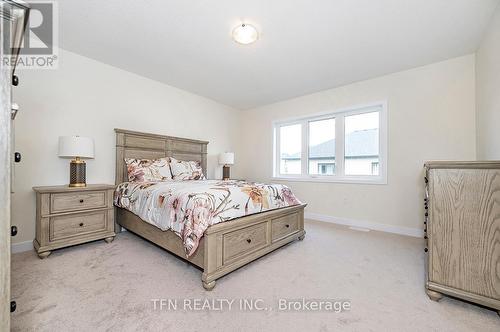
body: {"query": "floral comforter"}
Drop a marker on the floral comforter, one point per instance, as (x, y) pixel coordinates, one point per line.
(189, 207)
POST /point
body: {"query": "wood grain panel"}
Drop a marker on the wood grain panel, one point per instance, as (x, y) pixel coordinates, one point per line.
(143, 154)
(186, 147)
(464, 230)
(62, 227)
(66, 189)
(244, 241)
(480, 164)
(284, 226)
(132, 144)
(142, 142)
(186, 156)
(65, 202)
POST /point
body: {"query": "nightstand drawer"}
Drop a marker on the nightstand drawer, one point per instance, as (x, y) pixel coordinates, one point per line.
(62, 227)
(66, 202)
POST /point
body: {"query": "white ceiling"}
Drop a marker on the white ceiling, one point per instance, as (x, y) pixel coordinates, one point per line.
(305, 45)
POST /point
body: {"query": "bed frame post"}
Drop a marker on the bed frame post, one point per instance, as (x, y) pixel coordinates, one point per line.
(119, 169)
(212, 242)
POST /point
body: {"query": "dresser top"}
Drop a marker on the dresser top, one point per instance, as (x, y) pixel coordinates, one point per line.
(66, 188)
(487, 164)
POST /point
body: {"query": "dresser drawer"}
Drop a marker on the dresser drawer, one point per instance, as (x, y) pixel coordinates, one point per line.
(66, 202)
(62, 227)
(284, 226)
(245, 240)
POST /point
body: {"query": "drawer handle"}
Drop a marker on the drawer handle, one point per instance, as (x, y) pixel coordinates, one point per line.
(426, 250)
(81, 224)
(287, 226)
(81, 201)
(249, 240)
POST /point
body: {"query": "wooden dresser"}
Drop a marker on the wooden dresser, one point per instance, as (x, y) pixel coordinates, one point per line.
(462, 222)
(67, 216)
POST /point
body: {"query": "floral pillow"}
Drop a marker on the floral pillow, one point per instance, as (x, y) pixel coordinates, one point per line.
(186, 170)
(145, 170)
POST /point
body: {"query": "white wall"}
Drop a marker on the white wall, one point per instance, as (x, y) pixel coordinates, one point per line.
(488, 92)
(88, 98)
(431, 115)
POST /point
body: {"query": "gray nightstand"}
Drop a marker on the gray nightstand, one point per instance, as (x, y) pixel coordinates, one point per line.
(67, 216)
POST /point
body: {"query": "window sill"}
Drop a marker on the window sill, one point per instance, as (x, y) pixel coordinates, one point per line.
(349, 180)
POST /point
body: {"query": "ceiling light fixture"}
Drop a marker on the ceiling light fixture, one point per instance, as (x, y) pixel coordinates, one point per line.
(245, 34)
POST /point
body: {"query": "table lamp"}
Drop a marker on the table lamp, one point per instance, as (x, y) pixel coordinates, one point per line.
(76, 147)
(226, 158)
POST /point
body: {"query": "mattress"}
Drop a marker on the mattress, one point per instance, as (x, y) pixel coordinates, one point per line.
(188, 208)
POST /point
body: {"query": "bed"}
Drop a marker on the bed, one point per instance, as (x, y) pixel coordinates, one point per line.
(225, 246)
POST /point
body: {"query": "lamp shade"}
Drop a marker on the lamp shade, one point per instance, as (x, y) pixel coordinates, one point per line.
(76, 146)
(226, 158)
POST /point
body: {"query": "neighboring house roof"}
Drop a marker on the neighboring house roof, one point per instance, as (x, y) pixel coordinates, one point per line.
(361, 143)
(323, 150)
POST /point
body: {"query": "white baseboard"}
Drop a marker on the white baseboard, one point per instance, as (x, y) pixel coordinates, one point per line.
(415, 232)
(21, 247)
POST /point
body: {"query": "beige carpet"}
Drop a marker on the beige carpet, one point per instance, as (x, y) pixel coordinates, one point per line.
(109, 287)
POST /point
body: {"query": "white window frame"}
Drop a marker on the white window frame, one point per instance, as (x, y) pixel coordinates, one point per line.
(339, 176)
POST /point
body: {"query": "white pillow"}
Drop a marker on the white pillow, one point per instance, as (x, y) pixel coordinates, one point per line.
(145, 170)
(186, 170)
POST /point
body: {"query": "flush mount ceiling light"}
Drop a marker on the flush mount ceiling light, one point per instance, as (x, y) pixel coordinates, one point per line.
(245, 34)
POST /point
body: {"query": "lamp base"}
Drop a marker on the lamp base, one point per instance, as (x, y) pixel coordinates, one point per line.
(77, 185)
(77, 176)
(225, 173)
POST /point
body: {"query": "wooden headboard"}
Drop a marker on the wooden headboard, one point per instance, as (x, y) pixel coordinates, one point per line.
(133, 144)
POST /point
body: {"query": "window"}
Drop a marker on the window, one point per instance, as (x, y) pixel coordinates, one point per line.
(344, 146)
(361, 140)
(290, 149)
(321, 151)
